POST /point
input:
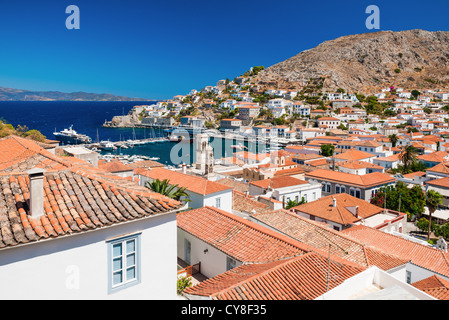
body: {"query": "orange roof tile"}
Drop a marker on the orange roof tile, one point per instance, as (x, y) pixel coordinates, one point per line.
(354, 155)
(365, 181)
(300, 278)
(74, 201)
(113, 166)
(435, 286)
(192, 183)
(320, 236)
(239, 238)
(426, 257)
(278, 182)
(324, 209)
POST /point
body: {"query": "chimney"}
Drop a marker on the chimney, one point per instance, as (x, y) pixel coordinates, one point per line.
(184, 168)
(36, 205)
(334, 202)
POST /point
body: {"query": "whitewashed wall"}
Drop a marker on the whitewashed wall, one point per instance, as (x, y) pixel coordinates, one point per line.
(198, 200)
(76, 267)
(212, 263)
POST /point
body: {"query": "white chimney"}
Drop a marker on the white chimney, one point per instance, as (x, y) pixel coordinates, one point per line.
(184, 168)
(36, 176)
(334, 202)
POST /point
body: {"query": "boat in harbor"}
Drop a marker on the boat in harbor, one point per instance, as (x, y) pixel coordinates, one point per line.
(175, 138)
(107, 145)
(70, 136)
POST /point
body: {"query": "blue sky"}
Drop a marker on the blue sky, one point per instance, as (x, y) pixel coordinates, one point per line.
(158, 49)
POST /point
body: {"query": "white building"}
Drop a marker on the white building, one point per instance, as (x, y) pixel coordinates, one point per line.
(88, 245)
(202, 192)
(285, 189)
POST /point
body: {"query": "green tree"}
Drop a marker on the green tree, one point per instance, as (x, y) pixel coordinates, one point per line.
(279, 121)
(165, 188)
(327, 150)
(401, 198)
(408, 156)
(433, 200)
(393, 139)
(416, 94)
(294, 203)
(183, 283)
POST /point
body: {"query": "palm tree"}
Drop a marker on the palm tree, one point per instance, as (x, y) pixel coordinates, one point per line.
(393, 139)
(433, 199)
(165, 188)
(408, 156)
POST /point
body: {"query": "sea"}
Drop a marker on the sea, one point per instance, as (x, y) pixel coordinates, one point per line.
(88, 117)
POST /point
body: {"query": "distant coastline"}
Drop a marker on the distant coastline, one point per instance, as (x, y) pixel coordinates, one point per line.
(9, 94)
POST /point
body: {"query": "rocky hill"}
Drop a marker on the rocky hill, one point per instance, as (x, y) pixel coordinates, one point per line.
(8, 94)
(368, 62)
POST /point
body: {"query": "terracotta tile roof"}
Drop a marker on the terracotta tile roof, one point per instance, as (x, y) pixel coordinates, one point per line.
(437, 156)
(114, 166)
(145, 164)
(300, 278)
(353, 155)
(426, 257)
(365, 181)
(20, 154)
(288, 172)
(435, 286)
(192, 183)
(368, 143)
(414, 174)
(324, 209)
(442, 182)
(74, 201)
(246, 203)
(278, 182)
(320, 236)
(392, 158)
(239, 238)
(355, 164)
(317, 163)
(236, 185)
(442, 167)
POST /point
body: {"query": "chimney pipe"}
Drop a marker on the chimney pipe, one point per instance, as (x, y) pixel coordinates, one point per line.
(334, 202)
(184, 168)
(36, 176)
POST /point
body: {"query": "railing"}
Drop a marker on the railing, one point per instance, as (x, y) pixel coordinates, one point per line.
(190, 270)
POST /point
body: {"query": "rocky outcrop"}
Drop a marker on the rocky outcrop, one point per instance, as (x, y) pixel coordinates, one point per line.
(368, 62)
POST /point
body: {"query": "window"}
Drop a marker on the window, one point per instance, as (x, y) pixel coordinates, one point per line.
(337, 189)
(187, 251)
(218, 203)
(409, 277)
(123, 262)
(328, 188)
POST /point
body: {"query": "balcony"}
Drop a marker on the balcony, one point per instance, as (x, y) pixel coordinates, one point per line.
(193, 271)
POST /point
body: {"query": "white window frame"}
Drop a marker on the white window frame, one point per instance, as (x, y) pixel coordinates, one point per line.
(125, 264)
(218, 202)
